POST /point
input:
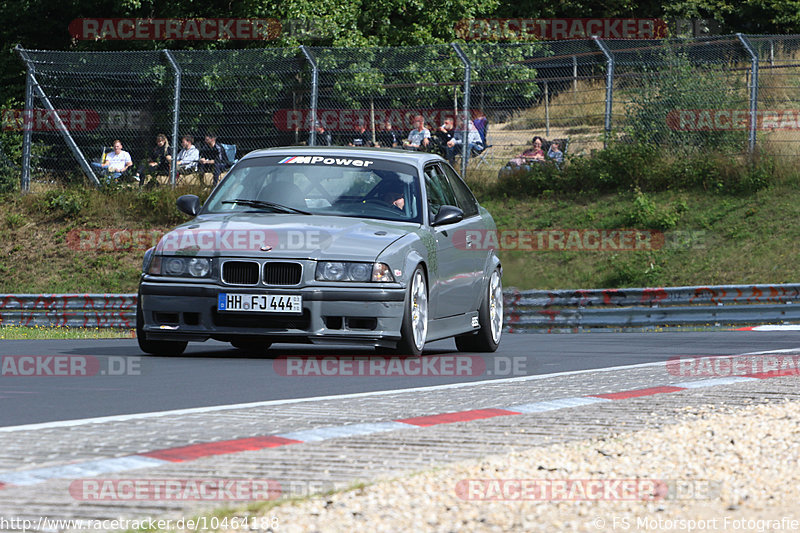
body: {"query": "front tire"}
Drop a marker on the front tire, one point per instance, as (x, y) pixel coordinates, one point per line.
(166, 348)
(414, 330)
(490, 317)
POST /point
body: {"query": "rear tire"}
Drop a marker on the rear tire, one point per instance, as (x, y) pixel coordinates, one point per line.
(414, 329)
(164, 348)
(490, 317)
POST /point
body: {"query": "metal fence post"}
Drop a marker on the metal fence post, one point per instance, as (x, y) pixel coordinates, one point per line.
(27, 136)
(546, 109)
(574, 74)
(467, 82)
(312, 135)
(753, 90)
(59, 124)
(176, 115)
(609, 87)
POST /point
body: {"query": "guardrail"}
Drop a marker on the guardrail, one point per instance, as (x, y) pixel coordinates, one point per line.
(525, 311)
(68, 310)
(537, 310)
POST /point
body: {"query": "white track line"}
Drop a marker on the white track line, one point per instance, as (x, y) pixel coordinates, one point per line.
(272, 403)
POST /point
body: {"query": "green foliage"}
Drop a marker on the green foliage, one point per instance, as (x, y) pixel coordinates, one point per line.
(157, 206)
(64, 203)
(9, 179)
(633, 269)
(679, 84)
(645, 213)
(15, 220)
(643, 168)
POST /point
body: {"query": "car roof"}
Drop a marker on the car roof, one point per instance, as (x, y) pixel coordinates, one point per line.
(394, 154)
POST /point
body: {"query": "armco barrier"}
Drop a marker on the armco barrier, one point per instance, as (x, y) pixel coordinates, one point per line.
(68, 310)
(538, 310)
(525, 311)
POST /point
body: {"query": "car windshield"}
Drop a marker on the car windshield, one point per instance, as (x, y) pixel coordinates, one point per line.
(363, 187)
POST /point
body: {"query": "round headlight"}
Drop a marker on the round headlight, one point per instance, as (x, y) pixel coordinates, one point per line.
(332, 271)
(360, 271)
(175, 266)
(198, 267)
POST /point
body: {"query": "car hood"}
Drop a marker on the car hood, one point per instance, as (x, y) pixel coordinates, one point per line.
(283, 236)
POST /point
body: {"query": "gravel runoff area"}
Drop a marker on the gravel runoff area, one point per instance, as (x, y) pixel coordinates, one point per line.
(718, 469)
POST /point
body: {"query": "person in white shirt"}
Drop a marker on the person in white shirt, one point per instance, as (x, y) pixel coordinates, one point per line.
(189, 156)
(116, 162)
(454, 146)
(420, 137)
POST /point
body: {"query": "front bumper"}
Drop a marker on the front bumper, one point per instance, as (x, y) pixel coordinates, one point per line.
(331, 315)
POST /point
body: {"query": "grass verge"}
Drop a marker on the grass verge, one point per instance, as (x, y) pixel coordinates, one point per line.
(722, 221)
(59, 333)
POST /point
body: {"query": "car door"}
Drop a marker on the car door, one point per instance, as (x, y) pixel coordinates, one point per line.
(471, 232)
(451, 289)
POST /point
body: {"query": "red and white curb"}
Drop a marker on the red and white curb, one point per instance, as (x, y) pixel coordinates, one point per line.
(196, 451)
(782, 327)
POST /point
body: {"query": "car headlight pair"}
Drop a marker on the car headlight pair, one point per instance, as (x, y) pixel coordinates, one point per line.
(348, 271)
(195, 267)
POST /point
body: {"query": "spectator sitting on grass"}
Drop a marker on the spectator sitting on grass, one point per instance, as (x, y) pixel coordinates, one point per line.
(389, 137)
(361, 136)
(189, 156)
(324, 137)
(420, 137)
(555, 153)
(454, 146)
(213, 159)
(535, 154)
(159, 159)
(115, 162)
(443, 135)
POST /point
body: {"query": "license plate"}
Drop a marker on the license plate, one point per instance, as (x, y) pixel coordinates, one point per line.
(260, 303)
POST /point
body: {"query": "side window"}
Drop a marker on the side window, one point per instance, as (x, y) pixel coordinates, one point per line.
(466, 200)
(439, 192)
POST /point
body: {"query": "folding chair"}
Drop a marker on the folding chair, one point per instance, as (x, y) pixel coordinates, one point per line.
(483, 130)
(230, 152)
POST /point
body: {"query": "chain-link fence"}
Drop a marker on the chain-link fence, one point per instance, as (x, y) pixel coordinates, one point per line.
(730, 93)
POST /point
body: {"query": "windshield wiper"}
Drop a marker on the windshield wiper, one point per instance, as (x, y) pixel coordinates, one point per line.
(263, 203)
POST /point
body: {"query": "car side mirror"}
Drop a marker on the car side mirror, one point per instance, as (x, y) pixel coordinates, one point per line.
(448, 214)
(189, 204)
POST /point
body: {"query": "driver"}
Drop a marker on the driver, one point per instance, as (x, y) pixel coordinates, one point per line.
(395, 198)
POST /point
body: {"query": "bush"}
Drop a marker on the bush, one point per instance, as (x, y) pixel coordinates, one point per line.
(680, 83)
(646, 214)
(642, 167)
(9, 179)
(65, 203)
(157, 206)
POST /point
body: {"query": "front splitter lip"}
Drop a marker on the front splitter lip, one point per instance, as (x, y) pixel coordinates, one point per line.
(394, 293)
(333, 338)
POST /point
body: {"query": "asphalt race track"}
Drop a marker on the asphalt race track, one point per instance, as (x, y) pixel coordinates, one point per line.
(114, 378)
